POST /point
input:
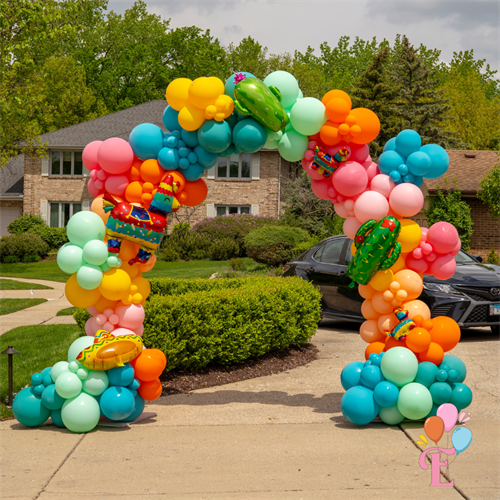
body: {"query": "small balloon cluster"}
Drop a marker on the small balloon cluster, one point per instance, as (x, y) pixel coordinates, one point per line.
(394, 385)
(77, 393)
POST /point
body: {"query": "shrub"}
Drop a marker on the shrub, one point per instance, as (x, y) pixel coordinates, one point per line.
(224, 249)
(186, 247)
(274, 245)
(10, 259)
(55, 237)
(23, 244)
(305, 245)
(170, 286)
(23, 223)
(31, 258)
(236, 264)
(493, 258)
(180, 229)
(169, 253)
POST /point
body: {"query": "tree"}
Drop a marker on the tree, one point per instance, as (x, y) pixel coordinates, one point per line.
(248, 56)
(490, 190)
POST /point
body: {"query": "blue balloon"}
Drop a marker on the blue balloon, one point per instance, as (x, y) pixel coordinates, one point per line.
(419, 163)
(183, 163)
(461, 439)
(403, 169)
(214, 136)
(407, 142)
(456, 364)
(146, 141)
(249, 136)
(117, 403)
(370, 376)
(439, 159)
(395, 177)
(139, 408)
(56, 417)
(386, 394)
(51, 399)
(389, 161)
(426, 373)
(358, 405)
(121, 375)
(390, 145)
(193, 172)
(171, 119)
(29, 409)
(461, 396)
(351, 374)
(168, 158)
(440, 392)
(190, 138)
(135, 384)
(230, 85)
(205, 158)
(418, 181)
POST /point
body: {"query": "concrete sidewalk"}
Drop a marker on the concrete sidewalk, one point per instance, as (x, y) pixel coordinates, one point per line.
(276, 437)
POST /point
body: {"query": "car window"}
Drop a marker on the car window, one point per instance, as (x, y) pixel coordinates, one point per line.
(332, 252)
(463, 258)
(348, 254)
(317, 255)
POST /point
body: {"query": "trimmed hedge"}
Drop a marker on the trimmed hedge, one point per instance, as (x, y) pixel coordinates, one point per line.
(21, 245)
(55, 237)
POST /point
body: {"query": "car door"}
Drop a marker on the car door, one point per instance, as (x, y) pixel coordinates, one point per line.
(351, 299)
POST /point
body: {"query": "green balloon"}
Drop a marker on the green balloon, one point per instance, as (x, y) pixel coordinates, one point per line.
(415, 400)
(293, 145)
(287, 84)
(391, 415)
(85, 226)
(59, 368)
(68, 385)
(399, 366)
(273, 139)
(78, 346)
(81, 414)
(96, 383)
(70, 258)
(308, 116)
(95, 252)
(89, 277)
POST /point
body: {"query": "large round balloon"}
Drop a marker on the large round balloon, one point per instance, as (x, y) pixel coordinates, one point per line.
(70, 258)
(215, 137)
(308, 116)
(29, 409)
(146, 140)
(286, 84)
(399, 366)
(85, 226)
(415, 400)
(249, 136)
(358, 405)
(293, 145)
(81, 414)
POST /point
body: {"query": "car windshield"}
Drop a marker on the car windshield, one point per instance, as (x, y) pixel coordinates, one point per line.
(463, 258)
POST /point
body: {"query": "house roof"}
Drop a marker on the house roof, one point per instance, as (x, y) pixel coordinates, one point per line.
(467, 167)
(12, 178)
(118, 124)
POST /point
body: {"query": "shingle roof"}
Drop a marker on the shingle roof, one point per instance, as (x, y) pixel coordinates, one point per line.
(117, 124)
(12, 178)
(467, 167)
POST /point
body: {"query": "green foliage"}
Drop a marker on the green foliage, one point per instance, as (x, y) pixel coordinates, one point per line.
(31, 258)
(448, 206)
(6, 284)
(25, 222)
(55, 237)
(490, 190)
(274, 245)
(10, 259)
(23, 244)
(186, 246)
(236, 264)
(180, 229)
(493, 258)
(305, 246)
(224, 249)
(8, 306)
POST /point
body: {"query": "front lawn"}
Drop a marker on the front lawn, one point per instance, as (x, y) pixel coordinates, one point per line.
(20, 285)
(8, 306)
(67, 312)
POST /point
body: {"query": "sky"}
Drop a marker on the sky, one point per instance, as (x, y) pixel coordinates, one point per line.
(286, 26)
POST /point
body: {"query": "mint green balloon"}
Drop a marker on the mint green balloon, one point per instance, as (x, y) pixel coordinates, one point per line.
(81, 414)
(68, 385)
(391, 415)
(273, 139)
(70, 258)
(399, 366)
(85, 226)
(59, 368)
(78, 346)
(415, 401)
(293, 145)
(287, 84)
(89, 277)
(308, 115)
(96, 383)
(95, 252)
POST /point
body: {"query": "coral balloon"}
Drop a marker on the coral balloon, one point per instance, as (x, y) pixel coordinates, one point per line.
(366, 291)
(417, 307)
(374, 347)
(387, 322)
(115, 155)
(417, 265)
(371, 205)
(434, 354)
(89, 155)
(144, 268)
(443, 236)
(116, 184)
(410, 282)
(434, 428)
(391, 342)
(443, 267)
(369, 332)
(150, 390)
(320, 188)
(382, 184)
(406, 200)
(351, 226)
(380, 304)
(350, 179)
(418, 340)
(367, 310)
(149, 365)
(178, 93)
(128, 250)
(78, 296)
(410, 235)
(97, 208)
(445, 332)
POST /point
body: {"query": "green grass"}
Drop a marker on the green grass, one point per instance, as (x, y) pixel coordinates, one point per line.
(67, 312)
(19, 285)
(39, 346)
(8, 306)
(47, 270)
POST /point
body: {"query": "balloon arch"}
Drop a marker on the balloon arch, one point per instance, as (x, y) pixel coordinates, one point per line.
(136, 184)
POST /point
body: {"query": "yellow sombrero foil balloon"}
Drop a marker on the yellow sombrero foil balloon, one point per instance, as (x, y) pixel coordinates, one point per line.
(109, 351)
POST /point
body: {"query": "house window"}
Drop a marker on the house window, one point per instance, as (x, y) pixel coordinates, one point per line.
(234, 167)
(61, 212)
(66, 163)
(232, 209)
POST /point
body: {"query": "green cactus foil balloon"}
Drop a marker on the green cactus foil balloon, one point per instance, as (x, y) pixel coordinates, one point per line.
(255, 98)
(377, 249)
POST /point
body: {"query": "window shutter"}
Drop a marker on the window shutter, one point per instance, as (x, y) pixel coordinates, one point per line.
(45, 166)
(254, 210)
(44, 208)
(211, 173)
(210, 210)
(256, 167)
(85, 171)
(85, 205)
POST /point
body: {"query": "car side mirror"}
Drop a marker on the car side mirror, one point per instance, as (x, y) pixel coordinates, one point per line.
(477, 257)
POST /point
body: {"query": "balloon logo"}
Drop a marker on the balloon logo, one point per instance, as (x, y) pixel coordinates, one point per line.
(434, 428)
(461, 439)
(449, 414)
(423, 441)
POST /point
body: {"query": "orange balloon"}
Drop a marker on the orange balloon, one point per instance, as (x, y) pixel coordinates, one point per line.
(410, 282)
(149, 365)
(387, 322)
(419, 321)
(133, 192)
(380, 304)
(417, 307)
(103, 303)
(98, 209)
(368, 122)
(151, 171)
(78, 296)
(143, 286)
(135, 174)
(132, 271)
(434, 428)
(427, 324)
(336, 93)
(128, 250)
(337, 109)
(391, 342)
(367, 310)
(150, 390)
(369, 332)
(399, 264)
(178, 177)
(329, 133)
(433, 354)
(374, 347)
(144, 268)
(418, 340)
(196, 192)
(445, 332)
(366, 291)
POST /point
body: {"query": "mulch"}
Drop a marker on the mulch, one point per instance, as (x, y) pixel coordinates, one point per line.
(182, 382)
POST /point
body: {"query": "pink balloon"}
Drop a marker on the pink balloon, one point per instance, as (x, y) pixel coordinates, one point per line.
(115, 155)
(309, 155)
(108, 327)
(320, 188)
(114, 319)
(350, 179)
(417, 265)
(371, 205)
(359, 152)
(426, 248)
(116, 184)
(139, 331)
(131, 316)
(101, 174)
(89, 155)
(382, 184)
(101, 319)
(313, 173)
(92, 311)
(98, 184)
(457, 248)
(349, 204)
(424, 233)
(417, 253)
(340, 210)
(91, 327)
(406, 199)
(448, 413)
(351, 226)
(123, 331)
(443, 236)
(93, 174)
(93, 191)
(372, 170)
(443, 267)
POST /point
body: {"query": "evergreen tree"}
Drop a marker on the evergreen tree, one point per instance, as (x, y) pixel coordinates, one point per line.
(375, 91)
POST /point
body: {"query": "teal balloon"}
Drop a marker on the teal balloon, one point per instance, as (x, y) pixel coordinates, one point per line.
(96, 382)
(419, 163)
(293, 145)
(389, 160)
(138, 409)
(190, 138)
(399, 366)
(59, 368)
(168, 158)
(193, 172)
(461, 396)
(68, 385)
(29, 409)
(386, 394)
(358, 405)
(351, 374)
(95, 252)
(70, 258)
(78, 346)
(371, 376)
(205, 158)
(454, 363)
(171, 119)
(81, 414)
(426, 373)
(230, 85)
(56, 417)
(89, 277)
(117, 403)
(287, 84)
(440, 392)
(51, 399)
(249, 136)
(214, 136)
(121, 375)
(391, 415)
(146, 140)
(85, 226)
(36, 379)
(415, 400)
(408, 142)
(308, 116)
(440, 160)
(390, 145)
(461, 439)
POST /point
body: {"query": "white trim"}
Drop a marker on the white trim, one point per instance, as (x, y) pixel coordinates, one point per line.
(45, 167)
(211, 172)
(254, 209)
(255, 169)
(85, 172)
(210, 210)
(44, 204)
(227, 207)
(85, 205)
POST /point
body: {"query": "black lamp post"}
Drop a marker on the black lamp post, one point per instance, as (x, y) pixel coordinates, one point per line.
(10, 351)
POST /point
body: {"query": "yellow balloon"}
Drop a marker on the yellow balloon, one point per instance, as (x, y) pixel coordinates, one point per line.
(205, 91)
(191, 118)
(143, 286)
(115, 284)
(410, 236)
(382, 280)
(225, 107)
(178, 93)
(400, 264)
(78, 296)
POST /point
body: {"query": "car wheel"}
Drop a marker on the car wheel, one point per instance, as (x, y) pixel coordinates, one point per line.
(495, 329)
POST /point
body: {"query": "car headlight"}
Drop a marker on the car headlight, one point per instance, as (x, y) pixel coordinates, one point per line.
(439, 287)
